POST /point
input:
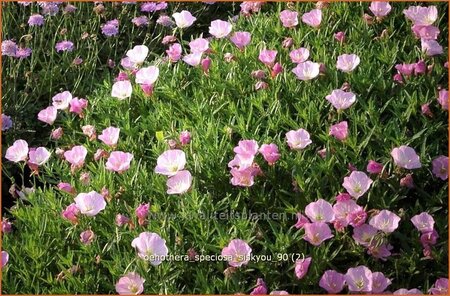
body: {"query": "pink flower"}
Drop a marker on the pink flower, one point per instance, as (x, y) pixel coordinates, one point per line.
(199, 45)
(276, 69)
(299, 55)
(89, 131)
(298, 139)
(320, 211)
(385, 221)
(406, 157)
(76, 156)
(339, 130)
(342, 210)
(379, 282)
(180, 183)
(174, 52)
(90, 204)
(205, 63)
(359, 279)
(78, 105)
(357, 184)
(268, 56)
(289, 18)
(138, 54)
(128, 64)
(260, 289)
(48, 115)
(147, 75)
(428, 239)
(440, 167)
(423, 16)
(87, 237)
(142, 213)
(443, 99)
(121, 220)
(281, 292)
(246, 147)
(332, 281)
(317, 232)
(6, 226)
(307, 70)
(374, 167)
(426, 110)
(110, 136)
(5, 258)
(238, 253)
(17, 152)
(39, 156)
(380, 8)
(99, 154)
(241, 39)
(220, 29)
(119, 161)
(340, 36)
(425, 32)
(170, 162)
(169, 39)
(407, 181)
(183, 19)
(357, 217)
(70, 213)
(431, 47)
(193, 59)
(406, 292)
(243, 176)
(66, 187)
(185, 137)
(340, 99)
(122, 89)
(313, 18)
(347, 62)
(130, 284)
(150, 247)
(61, 101)
(424, 222)
(301, 267)
(261, 85)
(440, 287)
(301, 221)
(270, 153)
(420, 67)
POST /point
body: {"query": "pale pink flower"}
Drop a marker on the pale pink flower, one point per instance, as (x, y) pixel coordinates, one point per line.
(298, 139)
(406, 157)
(70, 213)
(110, 136)
(119, 161)
(89, 131)
(407, 181)
(440, 287)
(147, 75)
(220, 29)
(260, 289)
(130, 284)
(380, 8)
(61, 100)
(170, 162)
(301, 267)
(193, 59)
(406, 292)
(359, 279)
(313, 18)
(270, 153)
(385, 221)
(121, 220)
(48, 115)
(301, 221)
(246, 147)
(339, 130)
(379, 282)
(5, 258)
(342, 210)
(340, 99)
(241, 39)
(87, 237)
(138, 54)
(374, 167)
(423, 16)
(39, 156)
(299, 55)
(424, 222)
(78, 105)
(320, 211)
(66, 187)
(357, 184)
(267, 56)
(128, 64)
(90, 204)
(17, 152)
(183, 19)
(340, 36)
(76, 156)
(317, 232)
(289, 18)
(174, 52)
(142, 212)
(150, 247)
(440, 167)
(238, 252)
(307, 70)
(199, 45)
(431, 47)
(425, 32)
(243, 176)
(443, 99)
(347, 62)
(122, 89)
(332, 281)
(179, 183)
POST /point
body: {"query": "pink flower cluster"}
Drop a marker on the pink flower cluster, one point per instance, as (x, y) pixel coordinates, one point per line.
(424, 223)
(171, 163)
(62, 101)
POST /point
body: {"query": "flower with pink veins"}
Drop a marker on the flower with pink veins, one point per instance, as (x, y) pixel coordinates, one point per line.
(220, 29)
(90, 204)
(110, 136)
(340, 99)
(385, 221)
(174, 52)
(380, 8)
(243, 177)
(241, 39)
(440, 287)
(150, 247)
(268, 57)
(423, 16)
(300, 55)
(339, 130)
(78, 105)
(424, 222)
(357, 184)
(61, 100)
(180, 183)
(170, 162)
(237, 252)
(76, 156)
(313, 18)
(440, 167)
(359, 279)
(342, 209)
(18, 151)
(301, 267)
(332, 281)
(270, 153)
(39, 156)
(246, 147)
(298, 139)
(307, 70)
(289, 18)
(48, 115)
(320, 211)
(364, 234)
(431, 47)
(443, 99)
(130, 284)
(193, 59)
(317, 232)
(119, 161)
(147, 75)
(406, 157)
(347, 62)
(379, 282)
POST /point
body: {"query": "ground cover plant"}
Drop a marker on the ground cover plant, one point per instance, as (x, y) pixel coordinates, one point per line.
(225, 148)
